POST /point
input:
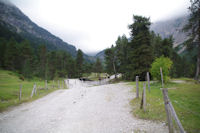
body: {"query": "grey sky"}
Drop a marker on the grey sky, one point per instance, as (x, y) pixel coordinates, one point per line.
(93, 25)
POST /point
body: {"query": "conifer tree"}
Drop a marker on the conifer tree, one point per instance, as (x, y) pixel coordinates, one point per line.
(79, 63)
(140, 52)
(193, 29)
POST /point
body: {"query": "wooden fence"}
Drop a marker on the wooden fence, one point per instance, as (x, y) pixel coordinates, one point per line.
(170, 111)
(62, 85)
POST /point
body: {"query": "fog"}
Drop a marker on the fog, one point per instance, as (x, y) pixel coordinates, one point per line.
(93, 25)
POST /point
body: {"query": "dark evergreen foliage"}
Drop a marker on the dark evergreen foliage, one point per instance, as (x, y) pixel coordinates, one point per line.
(20, 56)
(134, 56)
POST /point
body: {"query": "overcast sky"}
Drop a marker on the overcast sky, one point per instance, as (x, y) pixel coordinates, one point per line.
(93, 25)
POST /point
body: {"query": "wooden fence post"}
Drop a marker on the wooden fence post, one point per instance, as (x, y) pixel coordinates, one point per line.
(166, 102)
(65, 84)
(148, 80)
(161, 77)
(32, 93)
(58, 84)
(137, 86)
(173, 112)
(46, 85)
(35, 91)
(20, 92)
(53, 84)
(144, 97)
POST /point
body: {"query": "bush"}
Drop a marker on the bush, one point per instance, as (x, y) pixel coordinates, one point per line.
(163, 62)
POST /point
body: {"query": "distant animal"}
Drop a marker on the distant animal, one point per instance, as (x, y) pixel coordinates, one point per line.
(21, 77)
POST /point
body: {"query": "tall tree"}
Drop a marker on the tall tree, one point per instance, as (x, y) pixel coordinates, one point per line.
(98, 66)
(11, 55)
(52, 64)
(26, 58)
(122, 54)
(79, 63)
(111, 60)
(3, 43)
(43, 61)
(140, 52)
(193, 29)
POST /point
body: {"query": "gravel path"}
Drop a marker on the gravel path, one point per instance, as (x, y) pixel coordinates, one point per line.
(80, 109)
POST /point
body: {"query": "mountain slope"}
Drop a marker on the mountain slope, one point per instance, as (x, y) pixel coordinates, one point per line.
(100, 55)
(171, 27)
(12, 18)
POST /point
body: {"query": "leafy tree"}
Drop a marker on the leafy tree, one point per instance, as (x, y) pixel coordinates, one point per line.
(163, 62)
(141, 52)
(111, 60)
(193, 29)
(79, 63)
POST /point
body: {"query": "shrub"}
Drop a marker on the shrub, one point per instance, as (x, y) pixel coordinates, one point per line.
(163, 62)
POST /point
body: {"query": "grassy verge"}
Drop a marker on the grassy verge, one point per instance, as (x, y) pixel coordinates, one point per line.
(185, 98)
(95, 76)
(9, 89)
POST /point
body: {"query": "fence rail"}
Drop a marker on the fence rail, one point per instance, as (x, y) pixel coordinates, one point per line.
(170, 111)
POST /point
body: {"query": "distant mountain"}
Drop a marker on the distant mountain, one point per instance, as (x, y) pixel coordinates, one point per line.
(165, 29)
(171, 27)
(100, 55)
(16, 21)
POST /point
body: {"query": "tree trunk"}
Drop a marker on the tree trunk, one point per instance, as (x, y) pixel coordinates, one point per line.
(198, 53)
(114, 69)
(197, 69)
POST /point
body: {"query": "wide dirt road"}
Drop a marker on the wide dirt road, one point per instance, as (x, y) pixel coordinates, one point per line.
(80, 109)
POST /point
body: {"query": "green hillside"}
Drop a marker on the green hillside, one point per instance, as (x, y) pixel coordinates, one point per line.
(9, 89)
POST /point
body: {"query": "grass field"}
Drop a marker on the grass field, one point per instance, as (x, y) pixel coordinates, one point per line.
(94, 76)
(9, 89)
(184, 96)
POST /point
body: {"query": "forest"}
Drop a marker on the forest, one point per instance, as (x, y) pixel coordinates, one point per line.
(135, 55)
(19, 55)
(130, 56)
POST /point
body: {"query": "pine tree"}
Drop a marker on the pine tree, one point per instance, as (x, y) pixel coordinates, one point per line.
(122, 54)
(52, 64)
(140, 52)
(193, 29)
(11, 55)
(26, 59)
(42, 61)
(98, 66)
(79, 63)
(3, 44)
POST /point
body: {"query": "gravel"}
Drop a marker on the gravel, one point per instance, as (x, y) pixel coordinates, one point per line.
(80, 109)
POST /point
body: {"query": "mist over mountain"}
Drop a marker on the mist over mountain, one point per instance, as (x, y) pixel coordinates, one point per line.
(100, 55)
(165, 29)
(16, 21)
(172, 27)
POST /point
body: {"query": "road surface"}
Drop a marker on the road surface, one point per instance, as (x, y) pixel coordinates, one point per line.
(80, 109)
